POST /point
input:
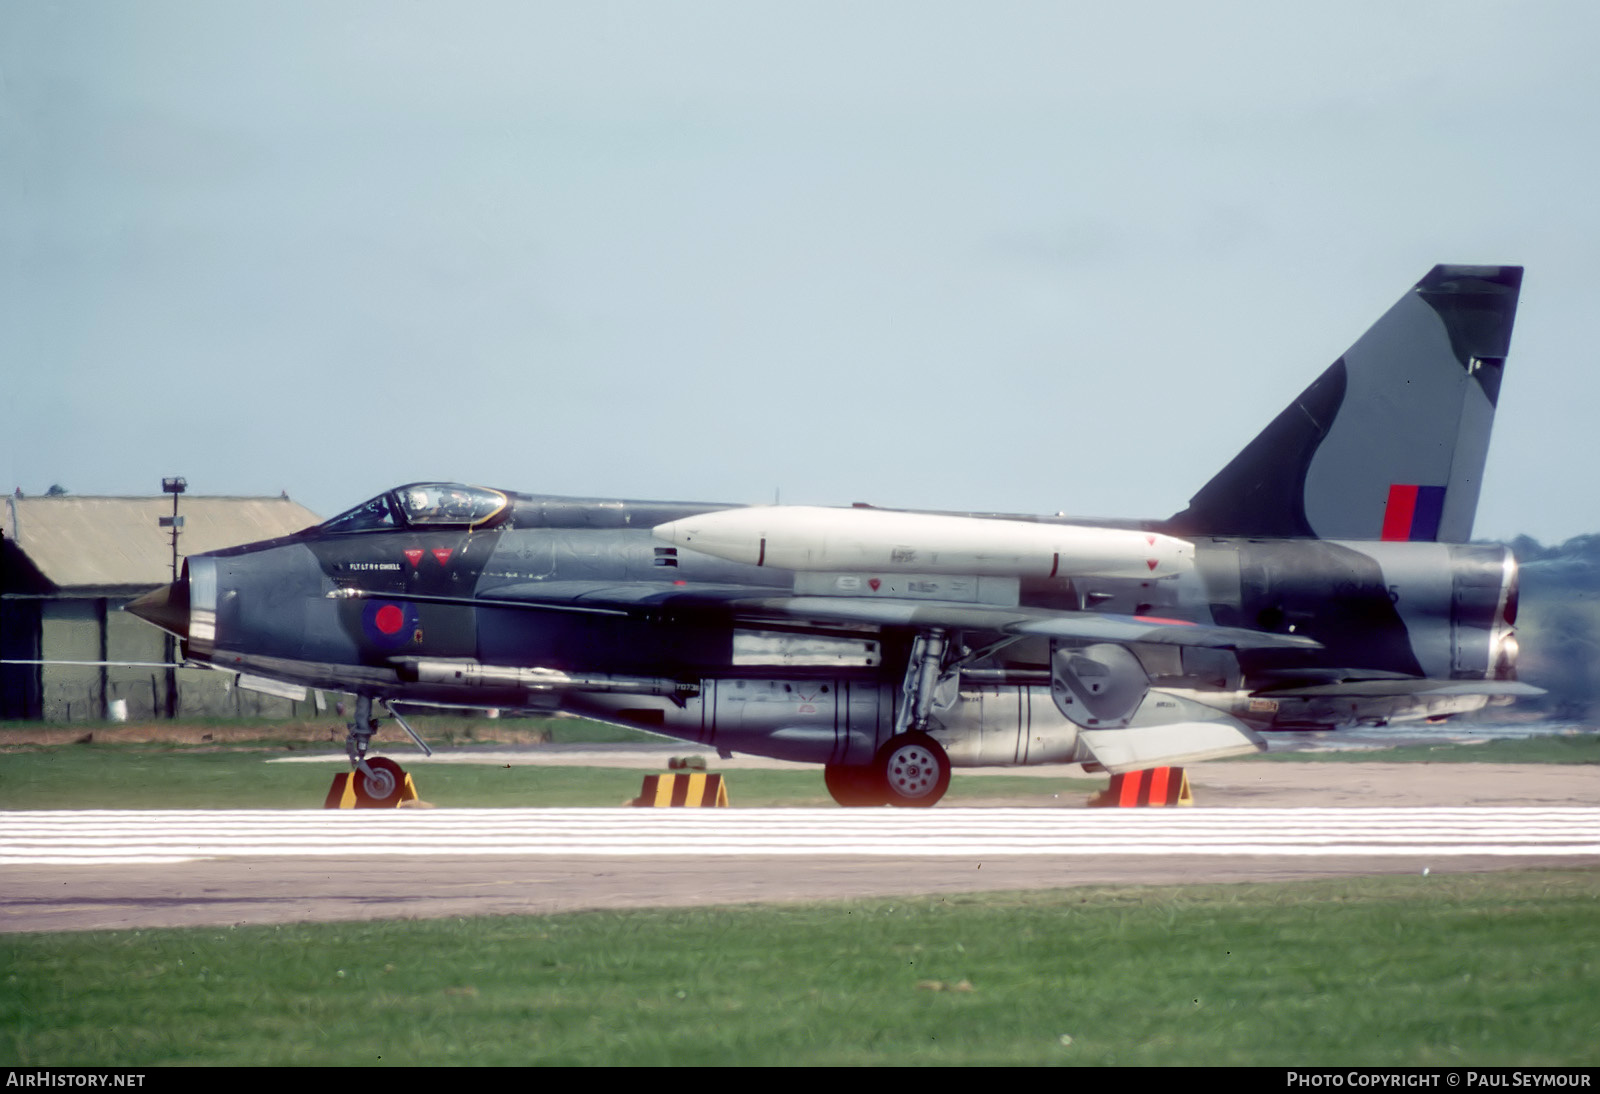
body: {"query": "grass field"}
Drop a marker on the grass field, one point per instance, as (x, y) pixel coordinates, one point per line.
(1476, 969)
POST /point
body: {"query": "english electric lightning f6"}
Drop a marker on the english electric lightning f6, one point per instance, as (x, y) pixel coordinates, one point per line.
(1321, 579)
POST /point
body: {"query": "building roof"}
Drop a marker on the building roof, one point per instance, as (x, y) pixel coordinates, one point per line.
(88, 542)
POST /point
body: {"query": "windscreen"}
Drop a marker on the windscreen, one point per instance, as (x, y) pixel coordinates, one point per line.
(368, 516)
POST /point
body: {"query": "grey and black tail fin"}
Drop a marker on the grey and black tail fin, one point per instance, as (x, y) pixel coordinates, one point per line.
(1390, 441)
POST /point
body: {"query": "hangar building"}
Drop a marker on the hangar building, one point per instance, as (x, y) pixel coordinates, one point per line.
(67, 566)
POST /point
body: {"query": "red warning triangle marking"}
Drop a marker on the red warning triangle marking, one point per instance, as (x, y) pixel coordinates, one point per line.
(413, 555)
(443, 554)
(874, 582)
(1150, 562)
(1151, 540)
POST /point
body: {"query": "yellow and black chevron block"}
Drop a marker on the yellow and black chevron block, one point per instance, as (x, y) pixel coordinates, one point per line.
(693, 789)
(1155, 786)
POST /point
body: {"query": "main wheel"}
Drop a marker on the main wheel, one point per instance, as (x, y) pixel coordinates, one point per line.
(914, 768)
(854, 787)
(381, 788)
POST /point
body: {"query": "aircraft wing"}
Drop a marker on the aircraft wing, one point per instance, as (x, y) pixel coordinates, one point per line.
(757, 604)
(1384, 687)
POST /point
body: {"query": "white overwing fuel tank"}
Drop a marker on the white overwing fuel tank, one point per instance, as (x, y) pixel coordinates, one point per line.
(811, 538)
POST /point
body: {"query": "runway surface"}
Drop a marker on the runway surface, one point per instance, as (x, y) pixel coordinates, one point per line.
(130, 838)
(81, 870)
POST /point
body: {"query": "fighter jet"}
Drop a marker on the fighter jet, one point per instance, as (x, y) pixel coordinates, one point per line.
(1322, 579)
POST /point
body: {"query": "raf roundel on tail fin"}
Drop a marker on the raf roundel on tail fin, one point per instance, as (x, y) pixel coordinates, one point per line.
(1389, 442)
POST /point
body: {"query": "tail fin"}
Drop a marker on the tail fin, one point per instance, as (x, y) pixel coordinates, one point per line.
(1390, 441)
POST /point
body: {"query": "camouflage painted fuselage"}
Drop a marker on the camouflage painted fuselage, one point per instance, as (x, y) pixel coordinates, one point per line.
(1311, 583)
(685, 644)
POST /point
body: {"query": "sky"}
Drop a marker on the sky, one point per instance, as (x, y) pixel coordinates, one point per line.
(1021, 257)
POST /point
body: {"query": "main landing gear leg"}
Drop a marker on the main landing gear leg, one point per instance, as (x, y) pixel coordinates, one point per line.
(912, 769)
(922, 678)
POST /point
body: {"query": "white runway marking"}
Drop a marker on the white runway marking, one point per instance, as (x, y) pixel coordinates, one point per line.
(101, 837)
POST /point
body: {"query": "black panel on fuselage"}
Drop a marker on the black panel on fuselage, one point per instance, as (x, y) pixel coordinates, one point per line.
(1322, 590)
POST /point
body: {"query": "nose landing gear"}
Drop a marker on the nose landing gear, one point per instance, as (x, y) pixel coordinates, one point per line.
(378, 782)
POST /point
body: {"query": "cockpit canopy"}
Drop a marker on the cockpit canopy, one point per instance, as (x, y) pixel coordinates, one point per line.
(423, 505)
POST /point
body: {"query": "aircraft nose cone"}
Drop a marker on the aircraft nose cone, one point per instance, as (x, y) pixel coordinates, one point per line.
(166, 607)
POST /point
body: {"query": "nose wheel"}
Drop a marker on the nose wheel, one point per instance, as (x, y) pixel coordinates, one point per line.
(379, 783)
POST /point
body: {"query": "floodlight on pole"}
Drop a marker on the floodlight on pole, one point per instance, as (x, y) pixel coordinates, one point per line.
(173, 486)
